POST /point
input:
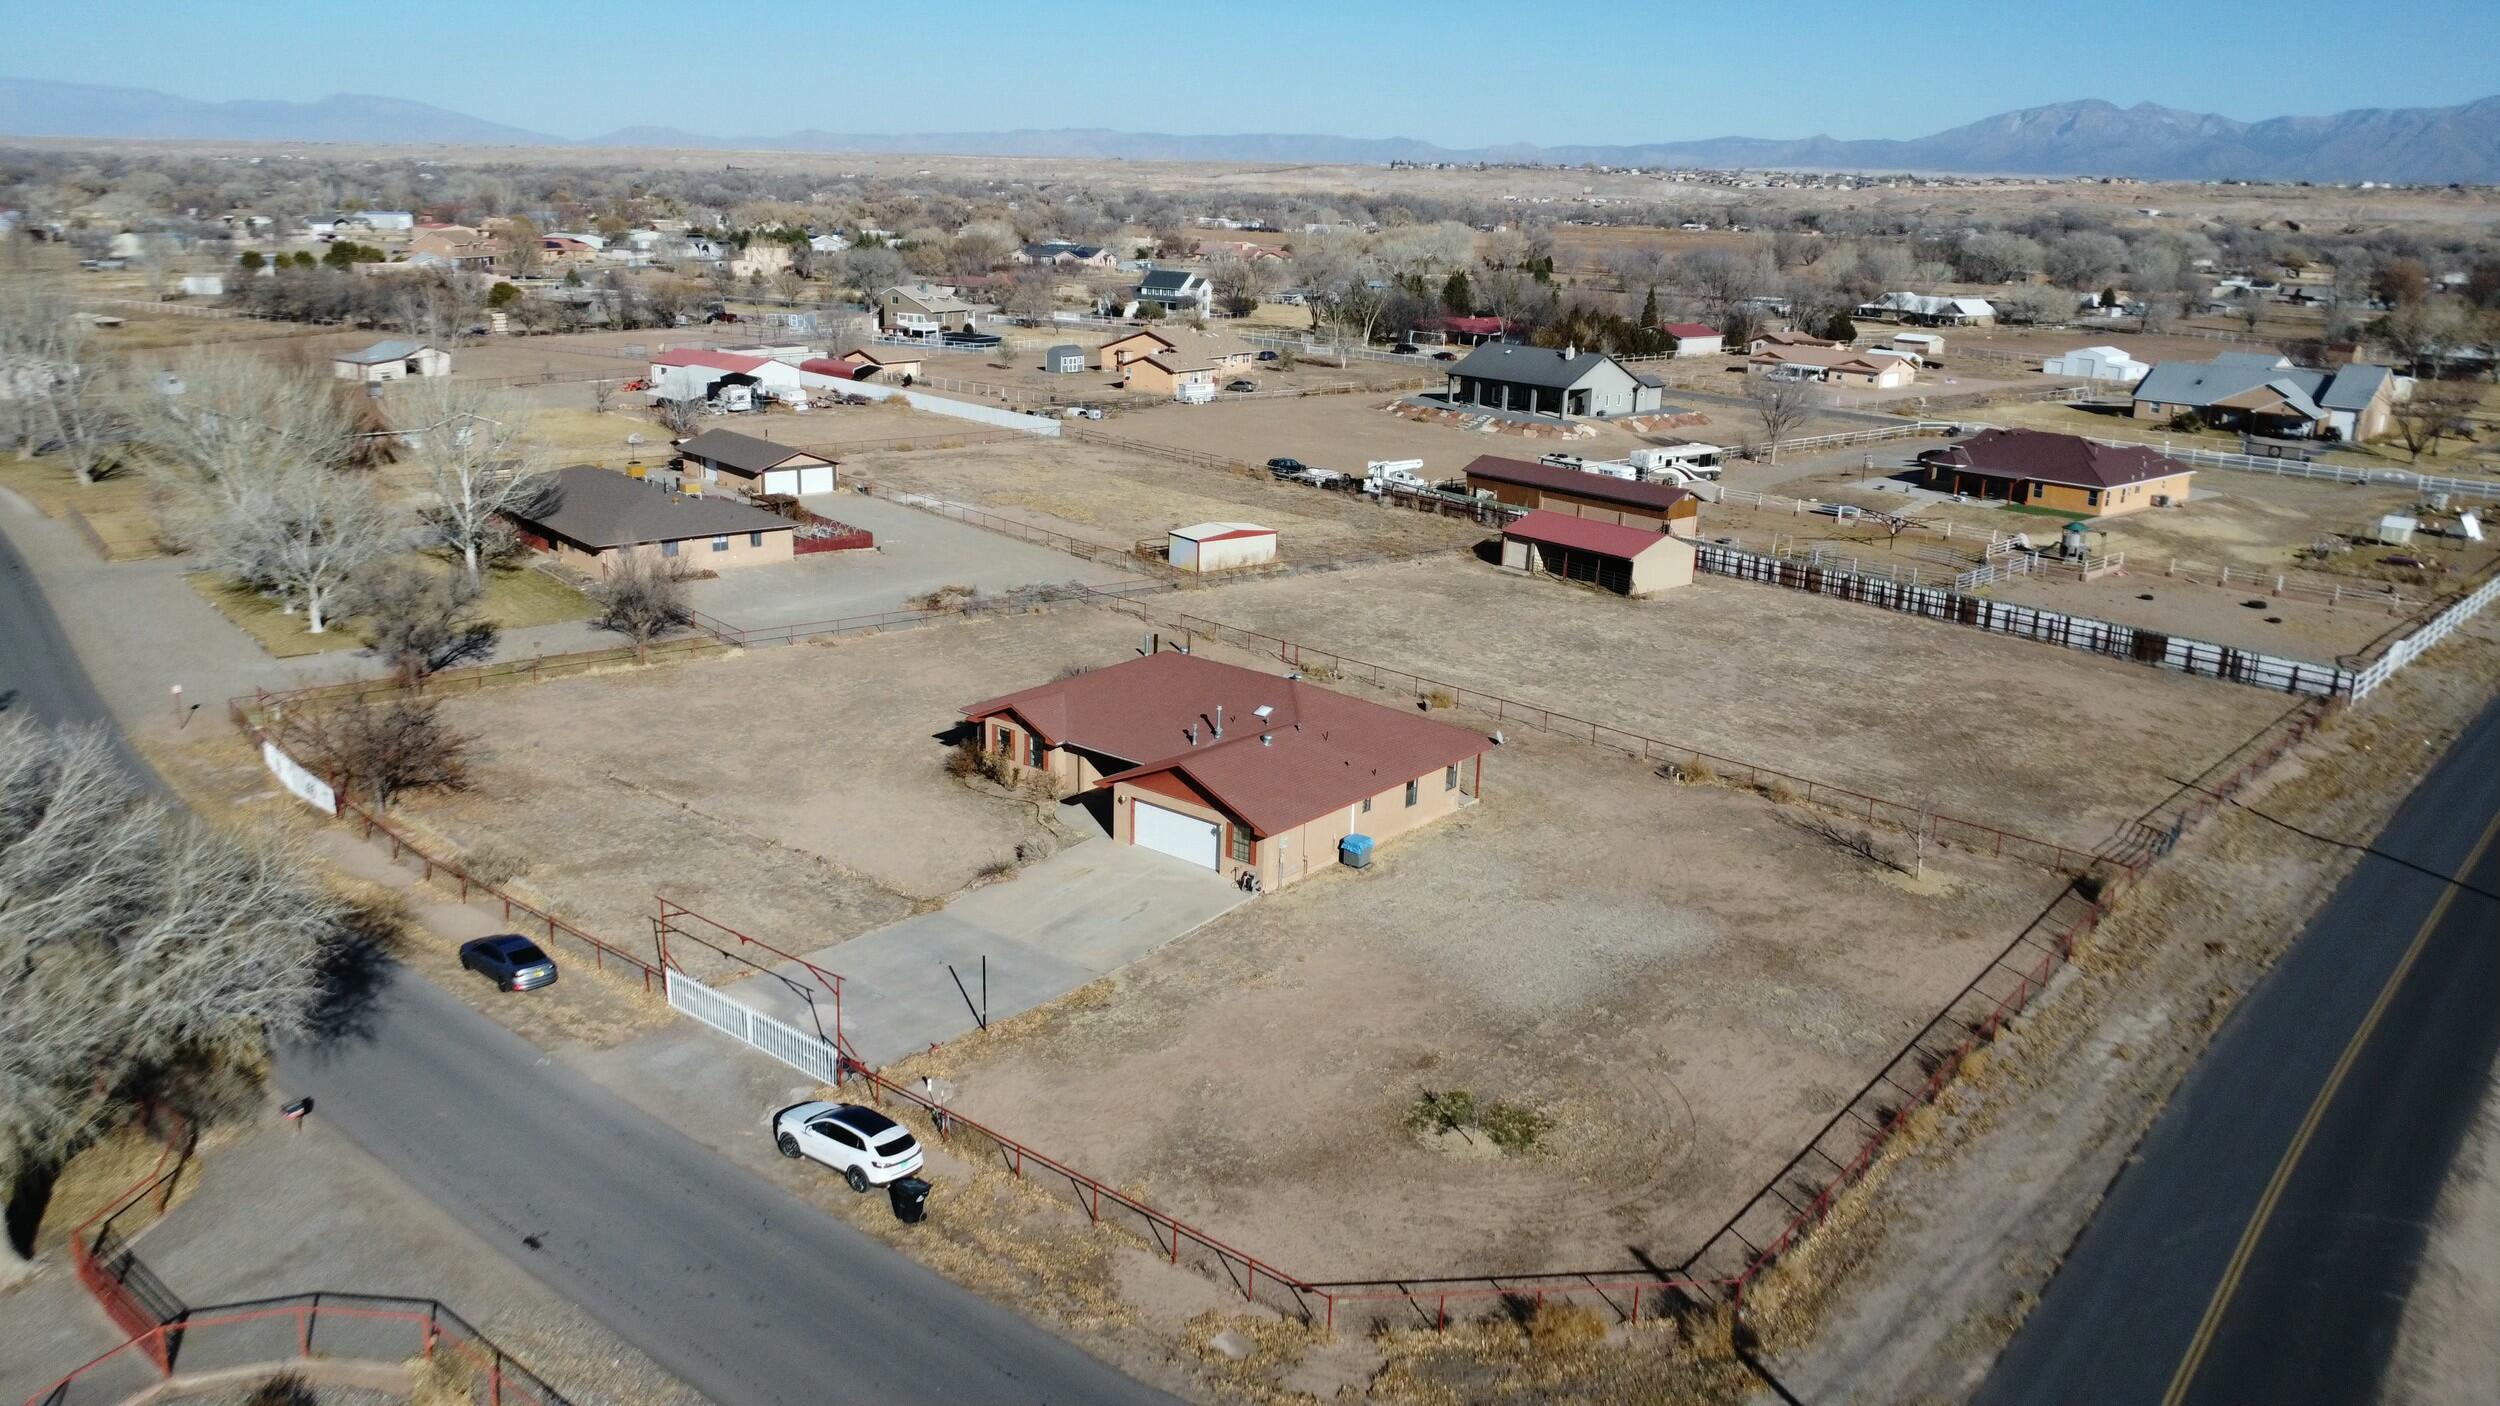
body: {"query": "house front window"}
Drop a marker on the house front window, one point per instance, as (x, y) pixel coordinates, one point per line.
(1244, 848)
(668, 549)
(1413, 789)
(1449, 779)
(720, 544)
(1005, 743)
(755, 539)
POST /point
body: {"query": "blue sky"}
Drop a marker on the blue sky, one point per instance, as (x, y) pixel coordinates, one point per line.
(1456, 72)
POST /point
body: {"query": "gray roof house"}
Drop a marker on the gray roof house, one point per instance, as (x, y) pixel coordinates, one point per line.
(589, 513)
(1177, 289)
(1525, 380)
(2267, 394)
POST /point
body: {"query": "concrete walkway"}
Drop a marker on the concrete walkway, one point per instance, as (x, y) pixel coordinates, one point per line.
(1083, 913)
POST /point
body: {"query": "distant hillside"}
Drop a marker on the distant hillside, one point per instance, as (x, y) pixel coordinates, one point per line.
(36, 107)
(2430, 145)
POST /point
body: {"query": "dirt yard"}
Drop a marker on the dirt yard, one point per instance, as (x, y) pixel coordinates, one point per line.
(1343, 431)
(799, 792)
(1683, 981)
(2063, 745)
(1117, 498)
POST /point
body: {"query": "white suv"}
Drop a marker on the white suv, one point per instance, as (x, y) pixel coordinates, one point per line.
(865, 1146)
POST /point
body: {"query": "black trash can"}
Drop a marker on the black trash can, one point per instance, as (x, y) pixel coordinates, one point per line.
(910, 1196)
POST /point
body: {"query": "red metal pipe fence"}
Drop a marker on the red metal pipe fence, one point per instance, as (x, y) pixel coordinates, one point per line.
(381, 1330)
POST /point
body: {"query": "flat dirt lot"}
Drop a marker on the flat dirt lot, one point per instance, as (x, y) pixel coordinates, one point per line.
(1117, 497)
(1682, 979)
(2062, 745)
(798, 793)
(1343, 431)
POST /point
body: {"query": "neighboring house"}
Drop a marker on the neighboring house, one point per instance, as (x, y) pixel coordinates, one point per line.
(1693, 339)
(1161, 362)
(395, 220)
(590, 516)
(1836, 366)
(1475, 331)
(1220, 546)
(458, 245)
(563, 250)
(694, 373)
(1177, 291)
(390, 360)
(1631, 561)
(923, 311)
(2097, 364)
(1543, 381)
(2062, 472)
(2267, 394)
(1063, 254)
(882, 364)
(828, 243)
(1545, 488)
(754, 465)
(1769, 340)
(325, 225)
(1931, 310)
(1231, 769)
(203, 285)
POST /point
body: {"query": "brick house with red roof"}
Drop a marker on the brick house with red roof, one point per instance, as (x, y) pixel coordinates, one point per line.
(1232, 769)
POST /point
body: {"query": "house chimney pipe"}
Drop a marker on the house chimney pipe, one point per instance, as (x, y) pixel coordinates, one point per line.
(1219, 719)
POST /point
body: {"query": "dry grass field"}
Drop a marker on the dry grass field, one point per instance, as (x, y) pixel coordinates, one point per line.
(1677, 983)
(1117, 497)
(2065, 746)
(798, 792)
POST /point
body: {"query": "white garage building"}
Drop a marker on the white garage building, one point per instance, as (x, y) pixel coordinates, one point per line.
(390, 361)
(2097, 364)
(1221, 546)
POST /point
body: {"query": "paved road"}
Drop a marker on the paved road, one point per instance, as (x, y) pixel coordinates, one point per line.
(2259, 1246)
(743, 1291)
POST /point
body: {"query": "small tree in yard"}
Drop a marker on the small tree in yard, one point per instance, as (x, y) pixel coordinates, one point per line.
(642, 598)
(421, 622)
(384, 749)
(679, 417)
(602, 396)
(1781, 405)
(2430, 415)
(141, 953)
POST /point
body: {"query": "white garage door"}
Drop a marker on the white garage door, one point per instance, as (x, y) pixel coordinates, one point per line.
(818, 479)
(1180, 836)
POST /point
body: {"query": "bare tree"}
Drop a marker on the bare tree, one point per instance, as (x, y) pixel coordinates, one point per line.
(136, 947)
(382, 750)
(255, 452)
(679, 416)
(480, 466)
(1034, 295)
(2433, 412)
(642, 598)
(420, 622)
(602, 396)
(1781, 405)
(60, 388)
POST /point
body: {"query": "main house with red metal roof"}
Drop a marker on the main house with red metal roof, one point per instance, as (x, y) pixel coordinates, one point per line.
(1232, 769)
(2062, 472)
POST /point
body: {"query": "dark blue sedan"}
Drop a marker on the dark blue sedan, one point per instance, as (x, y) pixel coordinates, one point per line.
(513, 962)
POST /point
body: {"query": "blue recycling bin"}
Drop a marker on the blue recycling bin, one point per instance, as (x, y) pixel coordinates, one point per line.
(1355, 851)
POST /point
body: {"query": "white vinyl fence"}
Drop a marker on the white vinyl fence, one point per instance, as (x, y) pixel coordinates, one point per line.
(800, 1049)
(2411, 647)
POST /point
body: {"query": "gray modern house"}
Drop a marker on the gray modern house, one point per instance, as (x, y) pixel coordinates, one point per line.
(1569, 383)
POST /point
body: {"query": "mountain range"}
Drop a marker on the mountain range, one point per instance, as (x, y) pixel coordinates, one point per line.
(2429, 145)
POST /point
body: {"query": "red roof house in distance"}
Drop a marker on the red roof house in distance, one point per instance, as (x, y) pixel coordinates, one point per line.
(1468, 331)
(1631, 561)
(1693, 339)
(1231, 769)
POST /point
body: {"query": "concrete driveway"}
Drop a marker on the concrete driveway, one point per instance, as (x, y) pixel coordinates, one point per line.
(916, 553)
(1085, 912)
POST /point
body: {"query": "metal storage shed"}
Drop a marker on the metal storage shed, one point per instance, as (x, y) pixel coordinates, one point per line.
(1066, 359)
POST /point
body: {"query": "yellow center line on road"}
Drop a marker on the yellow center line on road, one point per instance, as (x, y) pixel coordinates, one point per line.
(2212, 1321)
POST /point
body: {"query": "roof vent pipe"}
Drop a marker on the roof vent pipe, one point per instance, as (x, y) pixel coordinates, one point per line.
(1219, 719)
(1267, 739)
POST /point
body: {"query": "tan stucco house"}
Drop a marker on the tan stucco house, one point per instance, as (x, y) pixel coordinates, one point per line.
(2058, 471)
(590, 516)
(1231, 769)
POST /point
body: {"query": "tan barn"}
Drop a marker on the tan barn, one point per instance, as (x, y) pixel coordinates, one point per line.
(1231, 769)
(1631, 561)
(592, 516)
(1576, 493)
(2063, 472)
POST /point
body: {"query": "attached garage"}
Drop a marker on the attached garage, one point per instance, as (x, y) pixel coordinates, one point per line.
(1180, 836)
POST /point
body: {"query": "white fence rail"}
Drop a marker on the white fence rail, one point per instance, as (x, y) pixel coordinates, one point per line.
(807, 1053)
(2411, 647)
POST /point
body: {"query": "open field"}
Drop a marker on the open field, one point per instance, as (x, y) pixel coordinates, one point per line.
(1684, 980)
(1343, 431)
(799, 793)
(2063, 745)
(1024, 383)
(1118, 497)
